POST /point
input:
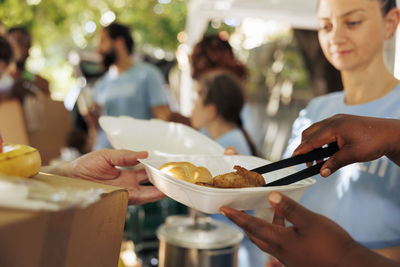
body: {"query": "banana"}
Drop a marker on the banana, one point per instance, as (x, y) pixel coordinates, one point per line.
(19, 160)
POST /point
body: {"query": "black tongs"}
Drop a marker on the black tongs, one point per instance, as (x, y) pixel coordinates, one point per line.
(316, 154)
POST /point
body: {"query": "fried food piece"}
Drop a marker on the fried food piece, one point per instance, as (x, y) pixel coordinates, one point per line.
(188, 172)
(241, 178)
(201, 176)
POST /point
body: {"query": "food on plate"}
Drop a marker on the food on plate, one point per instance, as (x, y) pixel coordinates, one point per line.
(19, 160)
(201, 176)
(241, 178)
(188, 172)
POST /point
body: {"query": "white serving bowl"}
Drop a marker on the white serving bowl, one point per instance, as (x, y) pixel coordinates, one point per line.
(158, 137)
(209, 200)
(168, 141)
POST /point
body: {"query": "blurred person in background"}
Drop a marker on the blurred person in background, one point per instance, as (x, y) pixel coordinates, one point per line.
(212, 53)
(129, 88)
(217, 108)
(135, 89)
(220, 99)
(6, 56)
(26, 83)
(362, 198)
(3, 30)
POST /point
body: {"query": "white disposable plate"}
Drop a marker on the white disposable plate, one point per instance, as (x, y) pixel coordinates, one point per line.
(158, 137)
(209, 200)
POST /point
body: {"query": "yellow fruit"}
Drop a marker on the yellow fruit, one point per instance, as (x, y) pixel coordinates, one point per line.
(19, 160)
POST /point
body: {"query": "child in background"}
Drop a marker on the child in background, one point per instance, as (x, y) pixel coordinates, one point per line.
(214, 53)
(217, 109)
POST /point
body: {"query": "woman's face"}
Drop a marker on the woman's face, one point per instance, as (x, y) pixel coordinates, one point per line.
(351, 33)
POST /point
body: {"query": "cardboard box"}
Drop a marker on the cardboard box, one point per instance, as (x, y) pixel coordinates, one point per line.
(12, 122)
(54, 130)
(76, 237)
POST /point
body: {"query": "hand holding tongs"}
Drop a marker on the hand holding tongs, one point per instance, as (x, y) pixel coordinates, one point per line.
(316, 154)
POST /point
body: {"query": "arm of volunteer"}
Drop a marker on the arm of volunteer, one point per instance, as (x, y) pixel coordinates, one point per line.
(392, 253)
(311, 240)
(394, 143)
(161, 112)
(360, 139)
(164, 113)
(62, 169)
(100, 166)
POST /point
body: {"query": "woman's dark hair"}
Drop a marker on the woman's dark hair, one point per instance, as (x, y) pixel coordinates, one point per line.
(116, 30)
(387, 5)
(214, 53)
(6, 52)
(224, 91)
(22, 36)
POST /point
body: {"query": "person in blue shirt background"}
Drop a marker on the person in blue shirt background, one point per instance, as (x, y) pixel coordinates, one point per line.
(217, 111)
(214, 53)
(129, 88)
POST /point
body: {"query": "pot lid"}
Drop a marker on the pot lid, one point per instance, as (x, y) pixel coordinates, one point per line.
(205, 234)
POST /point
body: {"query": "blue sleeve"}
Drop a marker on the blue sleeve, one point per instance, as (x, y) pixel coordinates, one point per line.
(302, 122)
(156, 88)
(316, 110)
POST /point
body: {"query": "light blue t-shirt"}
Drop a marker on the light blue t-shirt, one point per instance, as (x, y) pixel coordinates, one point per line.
(249, 254)
(237, 139)
(133, 93)
(363, 198)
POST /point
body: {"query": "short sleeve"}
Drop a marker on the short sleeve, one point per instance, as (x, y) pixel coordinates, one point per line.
(302, 122)
(156, 87)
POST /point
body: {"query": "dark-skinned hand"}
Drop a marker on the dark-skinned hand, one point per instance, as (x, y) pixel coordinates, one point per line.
(311, 240)
(360, 139)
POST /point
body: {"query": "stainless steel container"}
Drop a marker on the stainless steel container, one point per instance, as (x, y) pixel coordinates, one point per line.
(201, 242)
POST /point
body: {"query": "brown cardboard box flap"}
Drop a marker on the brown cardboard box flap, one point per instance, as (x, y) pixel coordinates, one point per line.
(62, 181)
(89, 236)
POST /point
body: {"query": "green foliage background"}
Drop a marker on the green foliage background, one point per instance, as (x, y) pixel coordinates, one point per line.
(54, 22)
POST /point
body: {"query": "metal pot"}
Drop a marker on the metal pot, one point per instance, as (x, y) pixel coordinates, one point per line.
(197, 242)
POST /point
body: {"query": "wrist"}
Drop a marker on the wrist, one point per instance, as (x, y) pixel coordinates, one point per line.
(62, 169)
(351, 255)
(358, 255)
(393, 145)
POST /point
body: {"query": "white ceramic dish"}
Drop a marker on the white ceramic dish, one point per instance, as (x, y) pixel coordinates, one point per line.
(158, 137)
(209, 200)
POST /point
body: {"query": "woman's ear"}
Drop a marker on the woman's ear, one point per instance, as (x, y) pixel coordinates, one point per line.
(211, 111)
(392, 19)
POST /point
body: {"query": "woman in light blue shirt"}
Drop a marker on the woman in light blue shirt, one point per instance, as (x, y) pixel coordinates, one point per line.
(363, 198)
(216, 111)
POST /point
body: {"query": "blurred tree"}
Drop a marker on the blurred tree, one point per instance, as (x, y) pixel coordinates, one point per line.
(58, 26)
(324, 77)
(278, 66)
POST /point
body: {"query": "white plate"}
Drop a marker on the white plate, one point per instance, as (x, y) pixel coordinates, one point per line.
(158, 137)
(209, 200)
